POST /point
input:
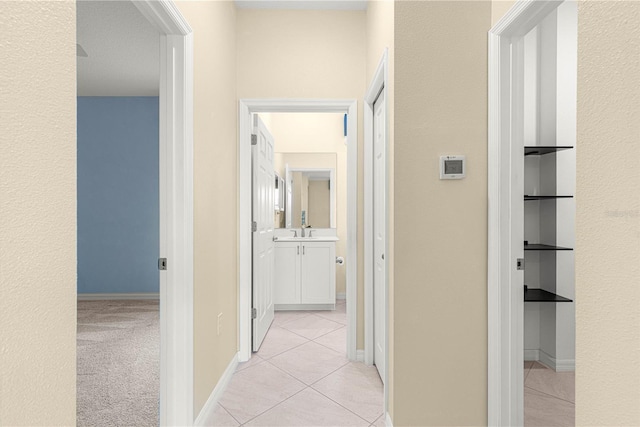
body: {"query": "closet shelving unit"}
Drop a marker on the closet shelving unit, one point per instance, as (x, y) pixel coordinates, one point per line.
(538, 294)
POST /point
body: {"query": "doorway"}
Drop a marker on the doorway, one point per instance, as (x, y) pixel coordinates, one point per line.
(375, 222)
(515, 132)
(247, 108)
(175, 209)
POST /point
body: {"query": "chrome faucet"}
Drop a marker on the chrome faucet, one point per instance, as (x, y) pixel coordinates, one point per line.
(295, 233)
(302, 234)
(310, 231)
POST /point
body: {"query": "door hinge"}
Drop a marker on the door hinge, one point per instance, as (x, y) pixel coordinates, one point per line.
(162, 263)
(254, 139)
(254, 226)
(520, 264)
(254, 313)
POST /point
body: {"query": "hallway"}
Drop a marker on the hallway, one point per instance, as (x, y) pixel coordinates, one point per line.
(302, 377)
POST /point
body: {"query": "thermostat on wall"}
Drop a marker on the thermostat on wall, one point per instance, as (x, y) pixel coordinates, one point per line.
(452, 167)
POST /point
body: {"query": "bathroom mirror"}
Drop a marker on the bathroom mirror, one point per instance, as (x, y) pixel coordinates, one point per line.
(309, 192)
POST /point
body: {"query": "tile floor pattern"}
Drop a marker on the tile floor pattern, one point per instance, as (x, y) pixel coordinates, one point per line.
(549, 396)
(302, 377)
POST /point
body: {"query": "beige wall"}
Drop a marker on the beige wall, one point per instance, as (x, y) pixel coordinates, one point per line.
(440, 227)
(608, 212)
(306, 54)
(380, 35)
(38, 213)
(319, 203)
(499, 8)
(215, 191)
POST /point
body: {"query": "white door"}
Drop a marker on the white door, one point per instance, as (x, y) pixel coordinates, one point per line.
(289, 198)
(263, 192)
(379, 232)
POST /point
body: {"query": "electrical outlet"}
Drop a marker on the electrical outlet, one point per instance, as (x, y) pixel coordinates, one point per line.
(219, 323)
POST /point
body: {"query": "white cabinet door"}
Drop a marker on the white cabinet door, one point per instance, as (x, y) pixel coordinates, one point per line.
(287, 278)
(318, 273)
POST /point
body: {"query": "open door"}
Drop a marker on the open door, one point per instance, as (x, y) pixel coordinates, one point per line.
(263, 224)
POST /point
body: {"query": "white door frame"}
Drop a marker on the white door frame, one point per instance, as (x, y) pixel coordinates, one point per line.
(505, 299)
(377, 86)
(176, 210)
(279, 105)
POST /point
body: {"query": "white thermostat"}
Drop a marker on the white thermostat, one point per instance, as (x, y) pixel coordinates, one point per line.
(452, 167)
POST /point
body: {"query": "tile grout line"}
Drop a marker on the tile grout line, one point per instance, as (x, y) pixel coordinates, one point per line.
(341, 405)
(550, 395)
(228, 412)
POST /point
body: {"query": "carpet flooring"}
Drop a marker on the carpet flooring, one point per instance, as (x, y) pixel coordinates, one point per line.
(118, 363)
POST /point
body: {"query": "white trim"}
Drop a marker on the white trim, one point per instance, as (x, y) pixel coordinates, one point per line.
(505, 302)
(377, 86)
(341, 296)
(119, 296)
(209, 408)
(176, 210)
(246, 107)
(558, 365)
(531, 355)
(387, 420)
(360, 356)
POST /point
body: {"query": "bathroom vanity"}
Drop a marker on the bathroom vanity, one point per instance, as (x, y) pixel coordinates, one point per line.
(305, 273)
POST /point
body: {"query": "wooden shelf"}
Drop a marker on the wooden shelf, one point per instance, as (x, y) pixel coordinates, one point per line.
(541, 247)
(537, 150)
(540, 295)
(546, 197)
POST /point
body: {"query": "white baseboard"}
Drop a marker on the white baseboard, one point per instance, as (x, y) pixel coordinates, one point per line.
(387, 420)
(119, 296)
(360, 356)
(210, 406)
(558, 365)
(341, 295)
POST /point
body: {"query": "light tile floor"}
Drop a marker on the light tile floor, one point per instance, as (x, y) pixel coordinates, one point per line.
(549, 396)
(302, 377)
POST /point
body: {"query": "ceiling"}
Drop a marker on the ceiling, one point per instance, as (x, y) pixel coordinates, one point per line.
(123, 50)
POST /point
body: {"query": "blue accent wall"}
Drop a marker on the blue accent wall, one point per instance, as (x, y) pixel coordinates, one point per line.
(118, 186)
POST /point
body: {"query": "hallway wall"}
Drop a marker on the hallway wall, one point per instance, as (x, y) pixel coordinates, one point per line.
(608, 212)
(380, 35)
(38, 213)
(440, 227)
(215, 191)
(306, 54)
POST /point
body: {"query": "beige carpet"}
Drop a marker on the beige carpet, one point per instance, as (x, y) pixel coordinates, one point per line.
(118, 363)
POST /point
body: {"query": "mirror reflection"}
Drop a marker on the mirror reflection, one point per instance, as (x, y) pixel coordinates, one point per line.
(307, 198)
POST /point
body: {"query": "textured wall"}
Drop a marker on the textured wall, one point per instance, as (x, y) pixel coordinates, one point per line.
(307, 54)
(440, 227)
(118, 190)
(608, 215)
(215, 191)
(380, 35)
(38, 213)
